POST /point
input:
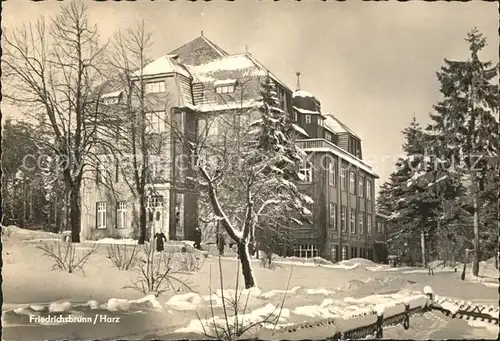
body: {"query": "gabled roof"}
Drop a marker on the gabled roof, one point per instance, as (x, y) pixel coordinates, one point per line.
(163, 65)
(198, 51)
(335, 125)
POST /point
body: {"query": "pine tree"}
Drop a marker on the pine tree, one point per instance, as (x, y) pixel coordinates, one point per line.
(465, 126)
(405, 197)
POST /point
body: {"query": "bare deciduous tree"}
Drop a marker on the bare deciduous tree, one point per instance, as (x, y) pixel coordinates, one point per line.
(53, 73)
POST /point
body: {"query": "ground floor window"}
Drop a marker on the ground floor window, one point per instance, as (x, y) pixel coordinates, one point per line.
(121, 214)
(306, 251)
(370, 254)
(354, 252)
(335, 253)
(344, 252)
(101, 215)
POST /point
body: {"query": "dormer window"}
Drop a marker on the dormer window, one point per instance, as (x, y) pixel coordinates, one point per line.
(225, 86)
(308, 119)
(155, 87)
(328, 137)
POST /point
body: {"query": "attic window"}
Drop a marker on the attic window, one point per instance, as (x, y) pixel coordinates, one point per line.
(225, 86)
(155, 87)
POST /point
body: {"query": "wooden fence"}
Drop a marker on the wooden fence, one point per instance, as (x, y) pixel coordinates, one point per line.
(373, 323)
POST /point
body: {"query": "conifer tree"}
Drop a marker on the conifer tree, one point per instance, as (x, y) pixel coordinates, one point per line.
(465, 126)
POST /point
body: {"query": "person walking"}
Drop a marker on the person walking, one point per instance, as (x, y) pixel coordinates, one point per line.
(160, 239)
(197, 238)
(221, 243)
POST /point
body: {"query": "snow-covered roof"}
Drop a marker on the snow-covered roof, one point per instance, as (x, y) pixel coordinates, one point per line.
(300, 130)
(307, 112)
(232, 66)
(112, 94)
(163, 65)
(302, 93)
(336, 126)
(329, 147)
(209, 71)
(224, 82)
(225, 106)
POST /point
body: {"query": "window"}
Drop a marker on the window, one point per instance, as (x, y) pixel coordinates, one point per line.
(308, 119)
(154, 87)
(344, 252)
(155, 121)
(361, 186)
(352, 183)
(225, 89)
(121, 214)
(154, 201)
(335, 253)
(320, 122)
(328, 137)
(306, 251)
(333, 215)
(306, 172)
(343, 179)
(343, 217)
(332, 174)
(369, 223)
(101, 215)
(353, 221)
(361, 222)
(368, 189)
(379, 227)
(295, 116)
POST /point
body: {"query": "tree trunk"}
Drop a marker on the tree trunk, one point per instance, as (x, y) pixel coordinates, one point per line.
(246, 267)
(74, 213)
(464, 269)
(422, 245)
(142, 219)
(475, 259)
(24, 203)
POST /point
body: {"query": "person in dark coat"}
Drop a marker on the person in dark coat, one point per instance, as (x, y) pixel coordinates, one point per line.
(197, 238)
(160, 239)
(221, 243)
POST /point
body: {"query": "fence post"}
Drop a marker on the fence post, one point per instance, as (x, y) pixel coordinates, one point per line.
(430, 297)
(406, 321)
(380, 321)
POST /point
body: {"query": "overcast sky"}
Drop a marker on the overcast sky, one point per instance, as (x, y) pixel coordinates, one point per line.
(372, 64)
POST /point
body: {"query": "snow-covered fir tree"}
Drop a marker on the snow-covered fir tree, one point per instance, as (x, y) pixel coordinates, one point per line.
(405, 198)
(465, 127)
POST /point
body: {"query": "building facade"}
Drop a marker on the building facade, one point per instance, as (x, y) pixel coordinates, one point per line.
(197, 87)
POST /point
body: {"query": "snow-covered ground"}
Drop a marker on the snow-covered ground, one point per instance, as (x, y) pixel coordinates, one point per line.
(318, 289)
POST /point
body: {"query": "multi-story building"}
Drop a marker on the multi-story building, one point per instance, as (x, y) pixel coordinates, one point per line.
(199, 82)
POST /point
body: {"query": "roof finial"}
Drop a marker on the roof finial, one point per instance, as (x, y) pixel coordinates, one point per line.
(298, 81)
(246, 48)
(414, 118)
(202, 33)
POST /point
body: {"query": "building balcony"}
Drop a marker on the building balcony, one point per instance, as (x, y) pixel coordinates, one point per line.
(320, 145)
